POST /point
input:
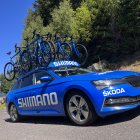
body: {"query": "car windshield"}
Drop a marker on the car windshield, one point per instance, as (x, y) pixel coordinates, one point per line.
(66, 71)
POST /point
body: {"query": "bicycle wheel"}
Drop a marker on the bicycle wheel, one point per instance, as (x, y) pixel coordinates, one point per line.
(26, 61)
(59, 55)
(66, 50)
(52, 50)
(80, 54)
(45, 54)
(9, 71)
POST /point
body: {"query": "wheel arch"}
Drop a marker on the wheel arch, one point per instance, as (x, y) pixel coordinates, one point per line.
(9, 105)
(78, 90)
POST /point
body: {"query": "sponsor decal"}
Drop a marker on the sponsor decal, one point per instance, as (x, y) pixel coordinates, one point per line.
(113, 92)
(65, 63)
(39, 100)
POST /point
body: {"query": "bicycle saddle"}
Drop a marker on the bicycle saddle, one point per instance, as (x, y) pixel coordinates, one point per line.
(8, 53)
(23, 47)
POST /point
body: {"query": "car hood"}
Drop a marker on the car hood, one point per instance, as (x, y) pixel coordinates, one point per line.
(98, 76)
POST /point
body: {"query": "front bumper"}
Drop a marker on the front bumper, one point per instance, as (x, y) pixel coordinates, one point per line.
(128, 100)
(106, 111)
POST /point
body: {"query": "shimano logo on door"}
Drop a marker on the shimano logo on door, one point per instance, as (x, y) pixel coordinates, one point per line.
(114, 92)
(39, 100)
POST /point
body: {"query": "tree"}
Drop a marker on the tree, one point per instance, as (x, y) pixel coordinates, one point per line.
(44, 9)
(76, 3)
(5, 85)
(102, 43)
(83, 22)
(109, 28)
(129, 25)
(33, 22)
(63, 20)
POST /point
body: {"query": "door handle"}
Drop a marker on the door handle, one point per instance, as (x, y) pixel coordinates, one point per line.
(16, 98)
(32, 93)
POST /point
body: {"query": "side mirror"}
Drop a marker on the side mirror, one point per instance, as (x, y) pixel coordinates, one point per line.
(45, 79)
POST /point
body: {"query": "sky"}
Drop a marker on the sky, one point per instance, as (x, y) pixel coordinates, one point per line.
(12, 17)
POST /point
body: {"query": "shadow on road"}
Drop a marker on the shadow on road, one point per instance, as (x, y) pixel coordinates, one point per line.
(118, 118)
(53, 120)
(127, 116)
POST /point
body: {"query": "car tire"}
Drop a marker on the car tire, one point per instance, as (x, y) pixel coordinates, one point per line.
(79, 109)
(13, 112)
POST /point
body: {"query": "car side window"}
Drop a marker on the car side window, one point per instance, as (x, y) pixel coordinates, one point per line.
(16, 85)
(38, 75)
(27, 81)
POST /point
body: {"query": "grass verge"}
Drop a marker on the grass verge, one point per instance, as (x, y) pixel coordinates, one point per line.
(2, 106)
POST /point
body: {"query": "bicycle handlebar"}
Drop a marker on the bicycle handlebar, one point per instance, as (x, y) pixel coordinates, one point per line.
(56, 37)
(16, 47)
(71, 37)
(48, 35)
(35, 34)
(26, 39)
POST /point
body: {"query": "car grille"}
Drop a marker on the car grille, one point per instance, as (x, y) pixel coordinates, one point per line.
(133, 80)
(122, 101)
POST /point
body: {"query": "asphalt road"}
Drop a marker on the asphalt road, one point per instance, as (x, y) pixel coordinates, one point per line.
(125, 126)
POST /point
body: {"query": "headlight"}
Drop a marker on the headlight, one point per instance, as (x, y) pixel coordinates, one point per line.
(101, 84)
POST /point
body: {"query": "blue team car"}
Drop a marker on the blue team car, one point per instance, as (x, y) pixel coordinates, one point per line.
(65, 89)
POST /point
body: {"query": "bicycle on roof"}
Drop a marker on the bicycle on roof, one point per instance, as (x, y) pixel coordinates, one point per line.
(41, 51)
(14, 65)
(78, 52)
(36, 53)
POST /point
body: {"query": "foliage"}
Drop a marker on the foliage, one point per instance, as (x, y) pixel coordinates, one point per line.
(83, 22)
(5, 85)
(32, 22)
(110, 29)
(63, 20)
(2, 106)
(129, 25)
(44, 9)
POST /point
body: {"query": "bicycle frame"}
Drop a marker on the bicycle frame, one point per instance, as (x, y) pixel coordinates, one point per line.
(73, 47)
(59, 48)
(37, 47)
(20, 55)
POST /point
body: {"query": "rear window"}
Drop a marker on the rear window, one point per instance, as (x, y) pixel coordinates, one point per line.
(27, 81)
(16, 85)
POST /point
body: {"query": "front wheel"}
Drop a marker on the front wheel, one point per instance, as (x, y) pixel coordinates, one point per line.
(9, 71)
(80, 54)
(79, 109)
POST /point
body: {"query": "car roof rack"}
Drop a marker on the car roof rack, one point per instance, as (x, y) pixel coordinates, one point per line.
(52, 65)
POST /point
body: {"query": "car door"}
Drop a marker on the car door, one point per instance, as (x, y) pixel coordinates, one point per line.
(23, 94)
(47, 98)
